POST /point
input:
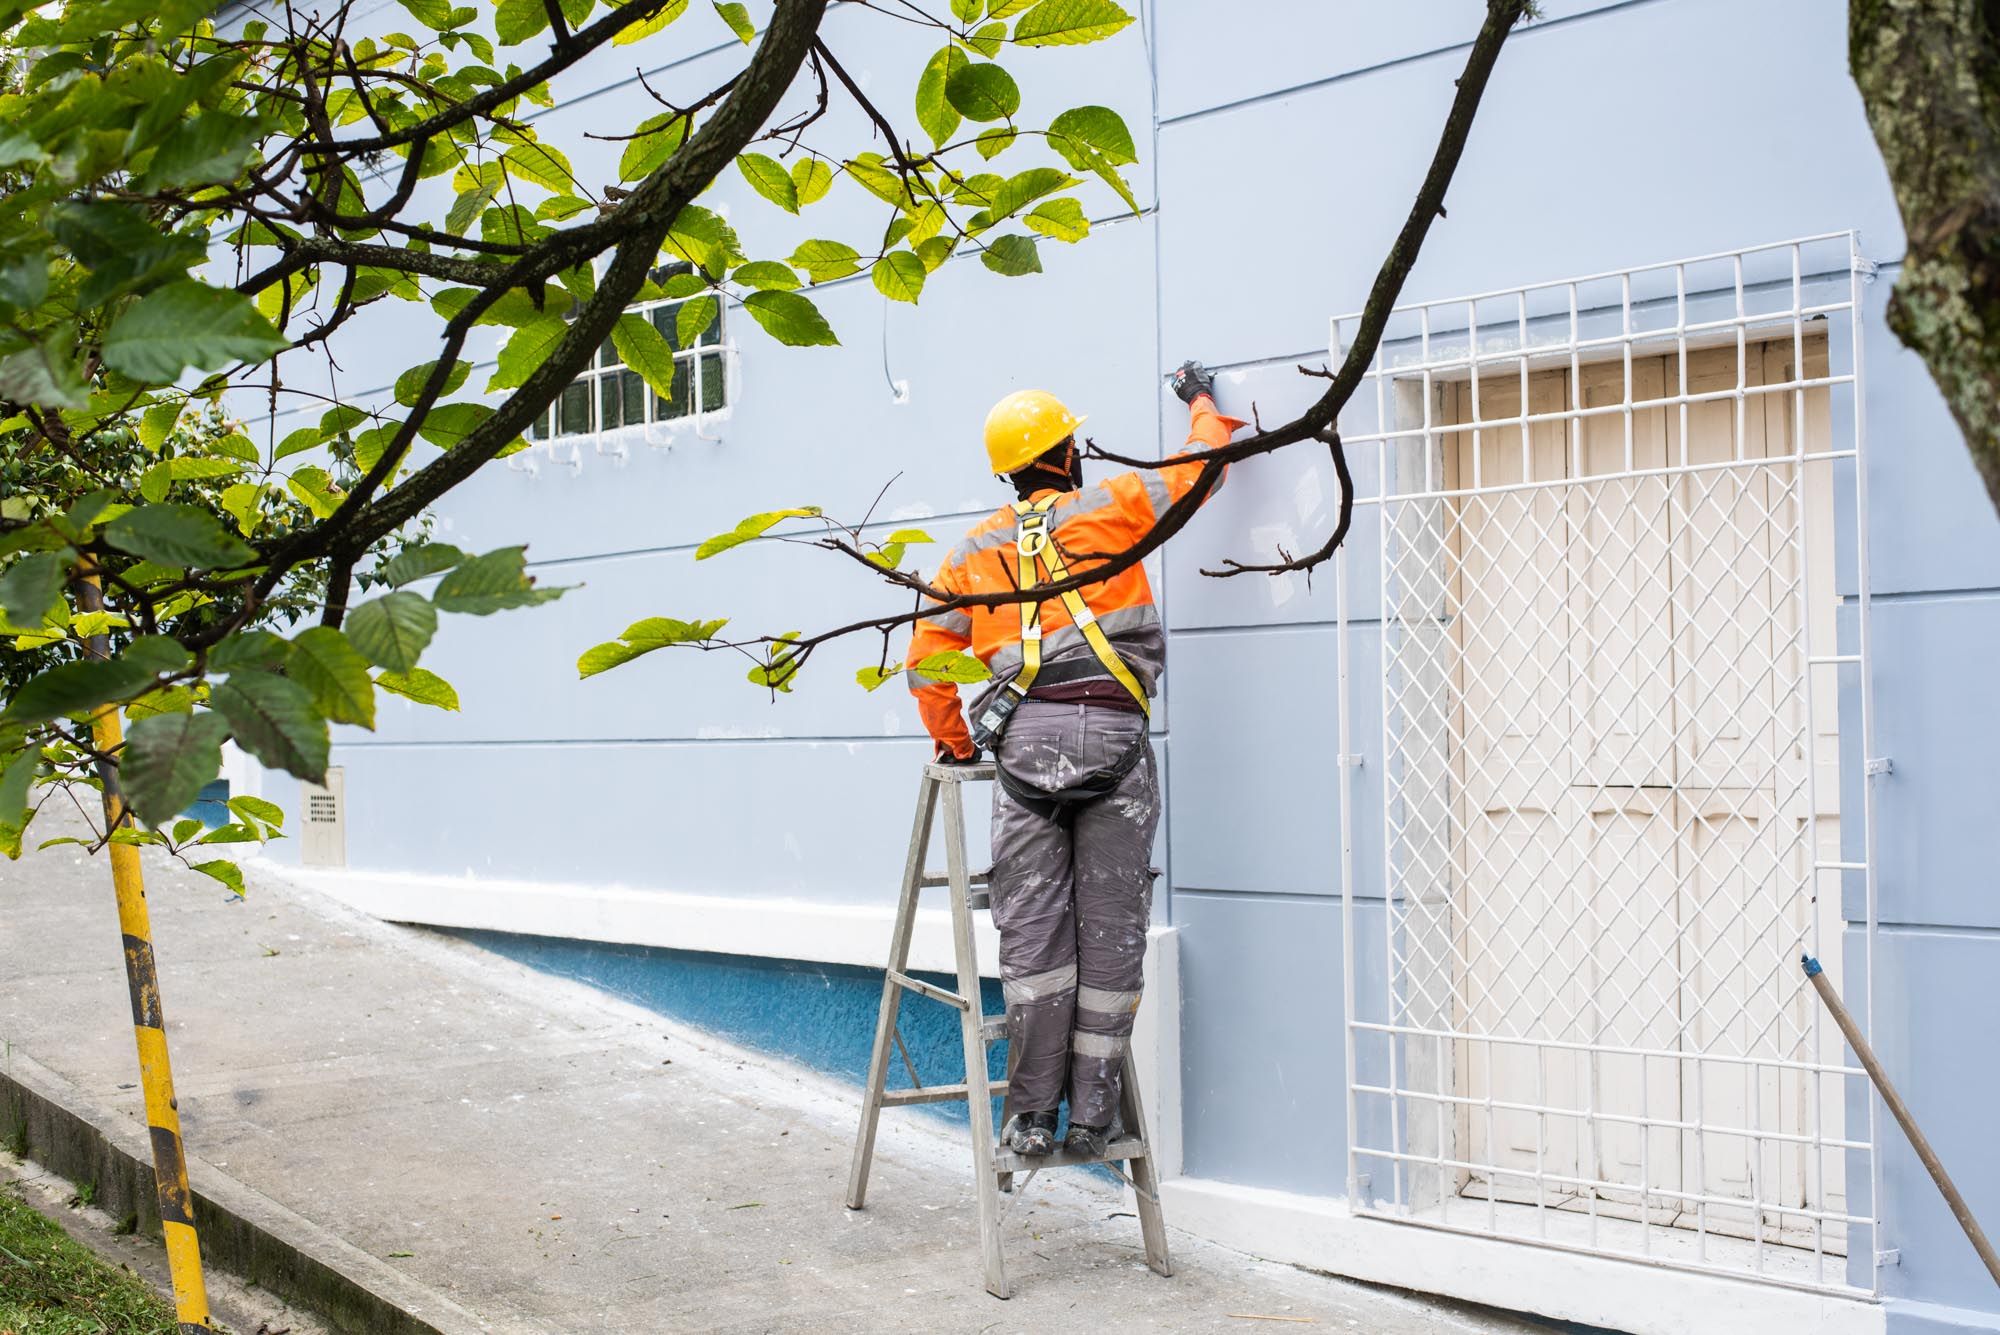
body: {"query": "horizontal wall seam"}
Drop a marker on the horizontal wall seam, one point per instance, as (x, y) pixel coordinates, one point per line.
(1325, 899)
(552, 743)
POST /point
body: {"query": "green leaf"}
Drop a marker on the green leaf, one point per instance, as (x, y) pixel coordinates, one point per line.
(411, 382)
(43, 376)
(753, 527)
(273, 719)
(763, 274)
(526, 350)
(657, 139)
(391, 631)
(198, 469)
(209, 149)
(160, 655)
(1006, 9)
(790, 318)
(329, 667)
(641, 347)
(1059, 218)
(298, 442)
(899, 276)
(538, 162)
(1013, 256)
(16, 780)
(988, 39)
(448, 424)
(1069, 22)
(188, 324)
(157, 423)
(156, 480)
(1020, 190)
(255, 810)
(935, 114)
(223, 870)
(177, 535)
(992, 143)
(693, 317)
(421, 685)
(738, 18)
(241, 502)
(642, 637)
(1093, 127)
(873, 677)
(951, 665)
(415, 562)
(983, 92)
(965, 11)
(515, 21)
(703, 239)
(491, 583)
(31, 586)
(824, 261)
(913, 536)
(187, 828)
(811, 178)
(75, 688)
(433, 14)
(167, 760)
(170, 700)
(641, 31)
(768, 177)
(249, 650)
(315, 490)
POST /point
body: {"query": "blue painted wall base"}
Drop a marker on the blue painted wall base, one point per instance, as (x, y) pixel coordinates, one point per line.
(822, 1015)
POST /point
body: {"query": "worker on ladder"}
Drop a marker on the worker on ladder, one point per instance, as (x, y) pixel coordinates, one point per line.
(1066, 720)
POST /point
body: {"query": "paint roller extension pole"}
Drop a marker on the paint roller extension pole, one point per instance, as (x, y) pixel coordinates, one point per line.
(1977, 1236)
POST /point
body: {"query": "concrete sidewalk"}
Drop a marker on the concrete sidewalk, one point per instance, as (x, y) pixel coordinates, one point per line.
(529, 1154)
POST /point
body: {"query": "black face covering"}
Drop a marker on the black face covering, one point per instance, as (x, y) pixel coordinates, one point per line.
(1061, 466)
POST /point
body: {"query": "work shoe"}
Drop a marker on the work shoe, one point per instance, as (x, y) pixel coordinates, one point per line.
(1033, 1134)
(1092, 1142)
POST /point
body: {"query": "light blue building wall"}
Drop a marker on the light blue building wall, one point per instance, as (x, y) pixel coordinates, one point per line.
(1281, 141)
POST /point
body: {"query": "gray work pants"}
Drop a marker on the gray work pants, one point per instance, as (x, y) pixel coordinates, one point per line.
(1072, 897)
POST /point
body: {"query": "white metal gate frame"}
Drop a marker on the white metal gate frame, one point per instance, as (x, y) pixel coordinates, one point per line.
(1551, 329)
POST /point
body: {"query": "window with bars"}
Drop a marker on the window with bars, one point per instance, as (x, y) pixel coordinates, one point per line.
(610, 395)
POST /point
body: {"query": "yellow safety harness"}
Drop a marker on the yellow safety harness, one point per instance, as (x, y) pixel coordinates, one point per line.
(1038, 552)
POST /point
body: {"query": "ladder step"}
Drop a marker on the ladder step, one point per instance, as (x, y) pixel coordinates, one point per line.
(904, 980)
(897, 1098)
(937, 878)
(1124, 1148)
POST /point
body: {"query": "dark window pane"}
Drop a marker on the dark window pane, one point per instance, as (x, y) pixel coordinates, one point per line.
(607, 355)
(576, 409)
(635, 397)
(609, 404)
(676, 404)
(713, 382)
(663, 320)
(539, 428)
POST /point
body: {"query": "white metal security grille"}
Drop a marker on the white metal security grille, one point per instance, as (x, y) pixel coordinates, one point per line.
(1623, 594)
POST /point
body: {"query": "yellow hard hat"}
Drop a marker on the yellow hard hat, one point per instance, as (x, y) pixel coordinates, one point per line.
(1024, 426)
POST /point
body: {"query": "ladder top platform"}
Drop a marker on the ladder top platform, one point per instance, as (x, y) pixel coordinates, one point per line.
(960, 773)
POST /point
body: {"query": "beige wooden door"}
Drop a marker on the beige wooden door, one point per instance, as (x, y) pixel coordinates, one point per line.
(1631, 752)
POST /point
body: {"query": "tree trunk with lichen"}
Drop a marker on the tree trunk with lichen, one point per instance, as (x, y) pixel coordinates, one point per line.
(1929, 75)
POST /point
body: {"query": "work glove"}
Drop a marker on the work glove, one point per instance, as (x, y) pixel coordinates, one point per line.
(1192, 380)
(945, 757)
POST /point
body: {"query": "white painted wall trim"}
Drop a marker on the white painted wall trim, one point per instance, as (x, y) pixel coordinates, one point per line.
(1321, 1233)
(787, 929)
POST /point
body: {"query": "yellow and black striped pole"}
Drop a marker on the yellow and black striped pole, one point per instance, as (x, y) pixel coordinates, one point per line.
(149, 1026)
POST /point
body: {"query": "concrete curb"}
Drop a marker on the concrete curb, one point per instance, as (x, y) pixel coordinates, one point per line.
(242, 1231)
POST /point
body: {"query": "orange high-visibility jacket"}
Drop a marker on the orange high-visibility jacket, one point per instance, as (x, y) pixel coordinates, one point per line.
(1108, 517)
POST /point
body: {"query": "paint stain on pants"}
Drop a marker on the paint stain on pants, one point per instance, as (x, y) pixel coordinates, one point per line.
(1072, 897)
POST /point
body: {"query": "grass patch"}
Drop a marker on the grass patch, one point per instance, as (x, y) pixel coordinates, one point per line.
(51, 1285)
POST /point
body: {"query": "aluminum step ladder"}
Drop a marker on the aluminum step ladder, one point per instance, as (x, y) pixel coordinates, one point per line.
(993, 1167)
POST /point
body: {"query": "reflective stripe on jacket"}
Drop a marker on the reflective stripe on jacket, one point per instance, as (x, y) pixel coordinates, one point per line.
(1108, 517)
